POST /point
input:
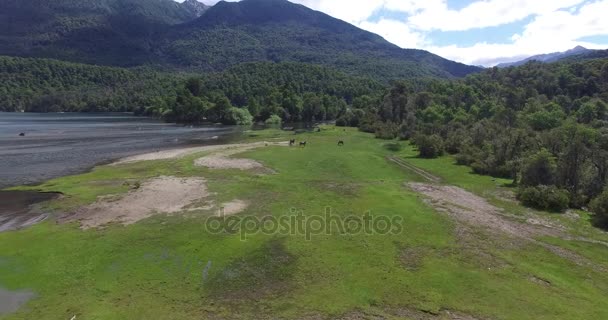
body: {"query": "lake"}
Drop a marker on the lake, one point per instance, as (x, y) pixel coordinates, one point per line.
(58, 144)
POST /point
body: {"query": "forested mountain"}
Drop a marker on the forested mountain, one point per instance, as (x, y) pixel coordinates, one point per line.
(168, 35)
(278, 30)
(543, 125)
(111, 32)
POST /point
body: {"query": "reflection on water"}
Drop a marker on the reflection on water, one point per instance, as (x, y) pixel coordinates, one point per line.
(57, 144)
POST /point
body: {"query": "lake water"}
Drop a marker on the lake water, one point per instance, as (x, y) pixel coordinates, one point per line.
(59, 144)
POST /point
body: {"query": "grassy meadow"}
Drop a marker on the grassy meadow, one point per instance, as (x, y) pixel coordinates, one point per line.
(170, 267)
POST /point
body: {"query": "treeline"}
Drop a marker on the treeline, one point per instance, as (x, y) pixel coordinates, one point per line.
(265, 92)
(239, 95)
(543, 125)
(45, 85)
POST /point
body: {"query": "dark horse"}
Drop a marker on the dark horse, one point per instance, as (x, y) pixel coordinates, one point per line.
(303, 144)
(22, 134)
(340, 143)
(292, 142)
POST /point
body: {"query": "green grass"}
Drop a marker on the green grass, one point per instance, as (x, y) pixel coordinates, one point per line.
(154, 269)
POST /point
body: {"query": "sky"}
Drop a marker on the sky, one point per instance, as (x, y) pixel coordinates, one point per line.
(477, 32)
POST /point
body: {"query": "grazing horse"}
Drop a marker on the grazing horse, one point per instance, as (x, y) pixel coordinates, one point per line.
(340, 143)
(303, 144)
(292, 142)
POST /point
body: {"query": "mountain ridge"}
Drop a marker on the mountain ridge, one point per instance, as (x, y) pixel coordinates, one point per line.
(548, 57)
(193, 37)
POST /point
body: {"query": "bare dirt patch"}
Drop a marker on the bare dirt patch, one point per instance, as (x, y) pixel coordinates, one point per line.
(219, 162)
(233, 207)
(472, 210)
(183, 152)
(159, 195)
(467, 207)
(11, 301)
(222, 158)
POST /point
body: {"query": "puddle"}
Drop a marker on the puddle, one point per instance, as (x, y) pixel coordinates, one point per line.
(18, 210)
(11, 301)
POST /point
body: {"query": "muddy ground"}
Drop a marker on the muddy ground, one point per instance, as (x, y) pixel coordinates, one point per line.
(18, 209)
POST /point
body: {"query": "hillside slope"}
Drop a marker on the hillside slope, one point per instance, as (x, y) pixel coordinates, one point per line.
(169, 35)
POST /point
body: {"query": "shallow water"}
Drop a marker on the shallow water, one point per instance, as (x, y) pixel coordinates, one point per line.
(10, 301)
(18, 210)
(58, 144)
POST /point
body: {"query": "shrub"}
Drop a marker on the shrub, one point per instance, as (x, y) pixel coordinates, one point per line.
(539, 169)
(342, 122)
(393, 146)
(386, 130)
(548, 198)
(599, 206)
(274, 120)
(429, 146)
(238, 116)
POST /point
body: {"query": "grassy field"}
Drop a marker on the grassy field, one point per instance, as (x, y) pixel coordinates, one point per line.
(171, 267)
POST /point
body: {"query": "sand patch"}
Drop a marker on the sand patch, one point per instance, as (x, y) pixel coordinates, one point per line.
(221, 159)
(233, 207)
(220, 162)
(159, 195)
(183, 152)
(11, 301)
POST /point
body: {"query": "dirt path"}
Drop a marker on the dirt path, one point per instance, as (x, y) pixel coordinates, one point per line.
(469, 209)
(402, 163)
(159, 195)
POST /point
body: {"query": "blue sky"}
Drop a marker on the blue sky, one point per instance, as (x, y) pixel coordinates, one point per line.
(478, 32)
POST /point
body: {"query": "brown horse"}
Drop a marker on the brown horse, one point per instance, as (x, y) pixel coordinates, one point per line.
(292, 142)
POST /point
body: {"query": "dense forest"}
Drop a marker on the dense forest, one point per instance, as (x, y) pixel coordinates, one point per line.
(543, 125)
(252, 91)
(44, 85)
(263, 91)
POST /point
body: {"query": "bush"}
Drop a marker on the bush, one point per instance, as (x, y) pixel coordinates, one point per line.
(393, 146)
(548, 198)
(539, 169)
(343, 121)
(274, 120)
(386, 130)
(429, 146)
(238, 116)
(599, 206)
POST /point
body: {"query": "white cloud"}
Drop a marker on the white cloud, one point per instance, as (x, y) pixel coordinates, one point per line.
(482, 14)
(557, 25)
(396, 32)
(553, 31)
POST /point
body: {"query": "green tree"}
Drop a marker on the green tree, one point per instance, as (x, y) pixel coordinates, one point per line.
(539, 169)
